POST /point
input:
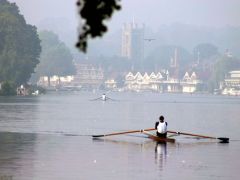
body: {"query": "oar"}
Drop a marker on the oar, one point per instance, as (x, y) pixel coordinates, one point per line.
(222, 139)
(95, 99)
(123, 132)
(108, 98)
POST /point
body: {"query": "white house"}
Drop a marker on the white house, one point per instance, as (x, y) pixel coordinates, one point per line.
(189, 83)
(139, 82)
(231, 84)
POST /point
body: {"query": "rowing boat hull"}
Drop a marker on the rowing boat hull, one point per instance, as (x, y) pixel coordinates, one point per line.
(159, 139)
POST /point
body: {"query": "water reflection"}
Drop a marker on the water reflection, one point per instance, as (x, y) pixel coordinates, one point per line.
(45, 156)
(18, 114)
(161, 155)
(14, 150)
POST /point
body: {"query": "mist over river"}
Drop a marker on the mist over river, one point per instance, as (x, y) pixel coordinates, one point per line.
(49, 137)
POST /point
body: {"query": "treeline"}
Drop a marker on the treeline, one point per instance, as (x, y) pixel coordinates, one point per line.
(24, 51)
(205, 59)
(19, 47)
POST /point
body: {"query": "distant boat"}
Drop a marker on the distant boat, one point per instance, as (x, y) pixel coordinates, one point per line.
(103, 98)
(149, 39)
(35, 93)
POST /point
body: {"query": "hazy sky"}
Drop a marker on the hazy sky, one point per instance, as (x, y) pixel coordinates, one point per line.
(36, 11)
(198, 12)
(151, 12)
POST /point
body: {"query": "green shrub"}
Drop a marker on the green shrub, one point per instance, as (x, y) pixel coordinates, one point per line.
(8, 89)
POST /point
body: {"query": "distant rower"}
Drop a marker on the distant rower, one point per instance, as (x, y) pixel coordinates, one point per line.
(104, 97)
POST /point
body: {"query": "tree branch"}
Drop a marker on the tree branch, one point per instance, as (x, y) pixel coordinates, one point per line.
(94, 12)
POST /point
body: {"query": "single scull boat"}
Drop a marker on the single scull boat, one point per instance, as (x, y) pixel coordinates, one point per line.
(158, 139)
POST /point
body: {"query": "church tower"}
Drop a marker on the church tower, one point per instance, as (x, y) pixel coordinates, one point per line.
(133, 42)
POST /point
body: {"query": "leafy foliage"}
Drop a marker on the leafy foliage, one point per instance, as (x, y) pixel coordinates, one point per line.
(161, 56)
(19, 45)
(221, 68)
(8, 89)
(205, 51)
(94, 13)
(56, 58)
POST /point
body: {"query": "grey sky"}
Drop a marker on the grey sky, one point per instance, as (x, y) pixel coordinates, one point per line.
(198, 12)
(36, 11)
(151, 12)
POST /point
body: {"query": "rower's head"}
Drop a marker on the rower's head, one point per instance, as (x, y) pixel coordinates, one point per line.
(161, 119)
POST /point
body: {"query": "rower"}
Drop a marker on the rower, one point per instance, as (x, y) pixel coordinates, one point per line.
(161, 127)
(104, 97)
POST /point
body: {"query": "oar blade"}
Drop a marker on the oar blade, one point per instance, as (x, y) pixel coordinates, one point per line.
(223, 139)
(97, 136)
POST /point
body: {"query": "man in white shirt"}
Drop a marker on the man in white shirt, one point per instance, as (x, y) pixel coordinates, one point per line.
(161, 127)
(104, 97)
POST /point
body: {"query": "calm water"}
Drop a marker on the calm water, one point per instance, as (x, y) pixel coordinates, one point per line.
(48, 137)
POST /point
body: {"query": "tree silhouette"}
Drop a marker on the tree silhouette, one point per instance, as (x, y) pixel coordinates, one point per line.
(55, 58)
(94, 13)
(19, 45)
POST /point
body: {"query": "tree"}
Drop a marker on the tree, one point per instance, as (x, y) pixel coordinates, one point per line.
(221, 68)
(94, 13)
(19, 45)
(7, 89)
(56, 58)
(161, 57)
(205, 51)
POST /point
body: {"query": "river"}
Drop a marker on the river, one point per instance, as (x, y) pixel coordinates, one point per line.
(49, 137)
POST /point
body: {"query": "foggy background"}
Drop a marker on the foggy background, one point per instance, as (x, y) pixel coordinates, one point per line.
(214, 13)
(179, 22)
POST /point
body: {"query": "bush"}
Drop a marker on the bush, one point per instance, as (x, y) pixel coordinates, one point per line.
(8, 89)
